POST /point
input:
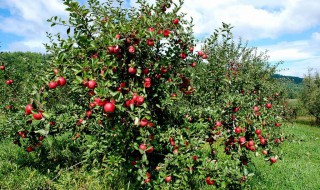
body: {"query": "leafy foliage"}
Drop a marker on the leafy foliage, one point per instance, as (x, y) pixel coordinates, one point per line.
(310, 93)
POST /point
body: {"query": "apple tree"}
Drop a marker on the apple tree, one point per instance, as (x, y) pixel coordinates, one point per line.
(121, 82)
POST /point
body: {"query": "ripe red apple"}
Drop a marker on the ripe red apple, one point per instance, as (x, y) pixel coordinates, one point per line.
(88, 113)
(250, 143)
(242, 140)
(150, 150)
(208, 181)
(109, 107)
(140, 100)
(143, 122)
(2, 67)
(193, 64)
(258, 131)
(273, 160)
(61, 81)
(183, 55)
(37, 116)
(132, 70)
(132, 49)
(151, 29)
(29, 149)
(218, 124)
(52, 85)
(142, 147)
(92, 84)
(204, 56)
(195, 158)
(145, 71)
(264, 152)
(200, 53)
(28, 109)
(256, 108)
(41, 138)
(191, 49)
(166, 33)
(262, 141)
(277, 124)
(168, 179)
(176, 21)
(172, 141)
(237, 130)
(9, 82)
(236, 109)
(150, 42)
(118, 36)
(268, 105)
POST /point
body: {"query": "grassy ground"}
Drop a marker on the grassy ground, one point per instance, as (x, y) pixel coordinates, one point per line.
(298, 169)
(300, 165)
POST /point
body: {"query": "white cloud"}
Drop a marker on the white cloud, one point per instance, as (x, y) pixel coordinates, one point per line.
(28, 19)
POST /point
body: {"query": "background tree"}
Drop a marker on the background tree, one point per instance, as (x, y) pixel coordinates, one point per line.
(310, 94)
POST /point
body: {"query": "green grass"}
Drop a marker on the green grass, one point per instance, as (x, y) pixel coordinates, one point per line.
(300, 164)
(299, 167)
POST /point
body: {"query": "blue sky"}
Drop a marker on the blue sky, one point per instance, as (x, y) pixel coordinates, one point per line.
(288, 29)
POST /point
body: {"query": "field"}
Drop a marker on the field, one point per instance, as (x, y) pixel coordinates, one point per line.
(298, 168)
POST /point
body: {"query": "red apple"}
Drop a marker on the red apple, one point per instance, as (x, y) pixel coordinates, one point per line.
(61, 81)
(140, 100)
(242, 140)
(145, 71)
(9, 82)
(132, 49)
(195, 158)
(143, 122)
(29, 149)
(193, 64)
(2, 67)
(150, 42)
(218, 124)
(258, 131)
(264, 152)
(52, 85)
(268, 105)
(168, 179)
(109, 107)
(237, 130)
(256, 108)
(37, 116)
(277, 124)
(28, 109)
(176, 21)
(183, 55)
(204, 56)
(88, 113)
(273, 160)
(250, 143)
(208, 181)
(142, 147)
(150, 150)
(166, 33)
(132, 70)
(92, 84)
(262, 141)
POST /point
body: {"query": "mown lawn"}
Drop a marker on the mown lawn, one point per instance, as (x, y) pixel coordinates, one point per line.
(300, 164)
(298, 169)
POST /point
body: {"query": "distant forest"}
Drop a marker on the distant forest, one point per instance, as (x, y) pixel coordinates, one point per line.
(295, 80)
